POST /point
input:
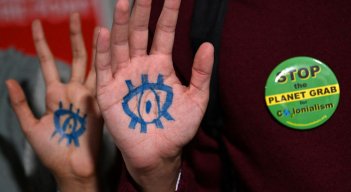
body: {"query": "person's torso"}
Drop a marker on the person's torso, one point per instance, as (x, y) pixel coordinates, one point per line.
(257, 36)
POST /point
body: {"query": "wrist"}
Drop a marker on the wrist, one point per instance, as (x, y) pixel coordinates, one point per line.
(162, 177)
(86, 184)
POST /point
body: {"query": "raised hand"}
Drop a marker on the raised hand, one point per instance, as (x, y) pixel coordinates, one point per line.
(67, 137)
(149, 113)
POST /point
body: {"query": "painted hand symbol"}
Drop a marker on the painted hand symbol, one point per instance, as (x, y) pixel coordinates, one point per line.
(149, 113)
(67, 137)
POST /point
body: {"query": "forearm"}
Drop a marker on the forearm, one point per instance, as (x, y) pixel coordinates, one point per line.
(77, 184)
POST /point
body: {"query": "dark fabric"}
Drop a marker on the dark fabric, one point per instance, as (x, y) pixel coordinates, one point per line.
(207, 23)
(257, 36)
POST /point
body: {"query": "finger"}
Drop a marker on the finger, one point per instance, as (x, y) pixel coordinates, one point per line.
(20, 105)
(165, 29)
(78, 49)
(90, 83)
(119, 35)
(103, 58)
(47, 62)
(138, 28)
(201, 72)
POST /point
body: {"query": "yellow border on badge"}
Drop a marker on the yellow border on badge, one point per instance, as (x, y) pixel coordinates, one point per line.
(307, 124)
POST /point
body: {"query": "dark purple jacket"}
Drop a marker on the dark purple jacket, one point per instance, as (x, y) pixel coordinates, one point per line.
(257, 36)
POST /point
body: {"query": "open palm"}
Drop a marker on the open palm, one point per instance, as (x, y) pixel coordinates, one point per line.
(67, 137)
(150, 114)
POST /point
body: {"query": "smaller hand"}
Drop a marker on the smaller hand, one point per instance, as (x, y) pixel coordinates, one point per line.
(67, 137)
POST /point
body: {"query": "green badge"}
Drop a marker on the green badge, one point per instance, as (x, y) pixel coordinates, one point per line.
(302, 93)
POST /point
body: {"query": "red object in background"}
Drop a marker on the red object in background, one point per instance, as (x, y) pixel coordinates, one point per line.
(16, 17)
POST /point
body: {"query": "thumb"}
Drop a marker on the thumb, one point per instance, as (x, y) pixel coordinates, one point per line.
(20, 105)
(201, 73)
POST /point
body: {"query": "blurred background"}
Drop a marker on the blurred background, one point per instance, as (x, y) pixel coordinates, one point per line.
(16, 17)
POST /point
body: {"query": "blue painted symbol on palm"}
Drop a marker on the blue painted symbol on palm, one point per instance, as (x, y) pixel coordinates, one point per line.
(152, 110)
(68, 124)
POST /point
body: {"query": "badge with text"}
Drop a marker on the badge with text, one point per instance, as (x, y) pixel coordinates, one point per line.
(302, 93)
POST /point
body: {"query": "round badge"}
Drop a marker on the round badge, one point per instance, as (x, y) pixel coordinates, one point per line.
(302, 93)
